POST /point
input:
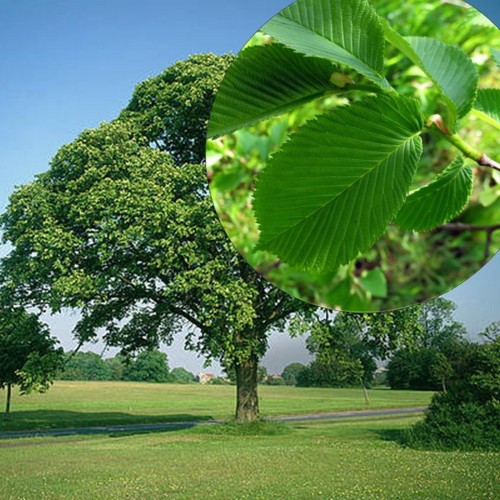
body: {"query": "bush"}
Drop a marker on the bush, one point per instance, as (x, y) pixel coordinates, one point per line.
(467, 417)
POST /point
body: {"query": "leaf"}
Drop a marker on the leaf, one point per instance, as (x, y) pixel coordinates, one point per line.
(266, 81)
(496, 55)
(453, 73)
(375, 282)
(332, 189)
(488, 102)
(438, 202)
(343, 31)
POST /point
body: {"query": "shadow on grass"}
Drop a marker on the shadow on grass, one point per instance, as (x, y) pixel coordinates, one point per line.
(399, 436)
(53, 419)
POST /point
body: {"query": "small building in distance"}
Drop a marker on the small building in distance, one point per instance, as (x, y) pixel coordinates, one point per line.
(204, 378)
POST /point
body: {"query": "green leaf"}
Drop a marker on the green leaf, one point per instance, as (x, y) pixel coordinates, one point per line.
(488, 102)
(266, 81)
(438, 202)
(453, 73)
(338, 181)
(496, 55)
(374, 281)
(344, 31)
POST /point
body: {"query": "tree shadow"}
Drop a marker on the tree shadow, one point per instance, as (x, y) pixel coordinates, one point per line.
(398, 436)
(43, 420)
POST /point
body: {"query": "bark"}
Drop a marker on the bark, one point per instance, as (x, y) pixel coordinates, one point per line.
(247, 400)
(365, 392)
(9, 394)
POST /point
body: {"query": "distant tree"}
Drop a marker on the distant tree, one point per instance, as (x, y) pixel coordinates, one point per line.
(427, 365)
(29, 356)
(290, 373)
(182, 376)
(85, 366)
(149, 366)
(467, 416)
(439, 328)
(423, 369)
(262, 373)
(491, 332)
(117, 366)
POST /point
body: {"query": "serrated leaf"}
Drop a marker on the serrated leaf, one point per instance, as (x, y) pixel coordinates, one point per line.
(438, 202)
(374, 281)
(344, 31)
(339, 180)
(488, 102)
(264, 82)
(453, 73)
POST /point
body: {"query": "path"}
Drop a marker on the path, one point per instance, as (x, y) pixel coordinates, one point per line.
(172, 426)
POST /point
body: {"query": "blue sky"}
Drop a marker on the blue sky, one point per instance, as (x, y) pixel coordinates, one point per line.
(70, 65)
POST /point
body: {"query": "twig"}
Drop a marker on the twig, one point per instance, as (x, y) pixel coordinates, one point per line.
(459, 226)
(436, 125)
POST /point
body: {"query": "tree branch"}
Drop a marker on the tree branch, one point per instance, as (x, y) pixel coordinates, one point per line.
(460, 227)
(436, 125)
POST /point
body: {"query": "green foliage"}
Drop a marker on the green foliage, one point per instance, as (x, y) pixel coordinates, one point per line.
(467, 417)
(417, 370)
(440, 201)
(291, 372)
(312, 212)
(182, 376)
(29, 356)
(345, 31)
(149, 366)
(171, 110)
(403, 267)
(291, 79)
(488, 101)
(86, 366)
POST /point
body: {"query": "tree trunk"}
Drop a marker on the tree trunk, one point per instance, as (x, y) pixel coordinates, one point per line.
(365, 392)
(443, 384)
(9, 394)
(247, 400)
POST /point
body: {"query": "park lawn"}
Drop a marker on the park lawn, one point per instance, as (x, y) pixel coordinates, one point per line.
(359, 459)
(75, 404)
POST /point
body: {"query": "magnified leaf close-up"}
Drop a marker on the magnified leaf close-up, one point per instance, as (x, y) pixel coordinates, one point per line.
(353, 150)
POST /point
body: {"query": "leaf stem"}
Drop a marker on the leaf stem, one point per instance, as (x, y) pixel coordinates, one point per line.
(436, 125)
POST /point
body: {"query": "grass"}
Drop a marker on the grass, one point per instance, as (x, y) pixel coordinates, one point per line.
(340, 460)
(75, 404)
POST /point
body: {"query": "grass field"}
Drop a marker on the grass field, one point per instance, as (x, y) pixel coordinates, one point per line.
(74, 404)
(333, 460)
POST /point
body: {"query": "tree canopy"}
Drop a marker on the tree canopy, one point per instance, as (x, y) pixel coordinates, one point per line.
(29, 356)
(127, 234)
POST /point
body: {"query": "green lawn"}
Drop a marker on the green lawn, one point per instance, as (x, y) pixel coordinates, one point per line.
(98, 403)
(339, 460)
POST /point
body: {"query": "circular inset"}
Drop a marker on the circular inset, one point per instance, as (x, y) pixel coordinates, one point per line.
(352, 146)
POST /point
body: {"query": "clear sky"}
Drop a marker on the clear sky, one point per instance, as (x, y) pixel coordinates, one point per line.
(70, 65)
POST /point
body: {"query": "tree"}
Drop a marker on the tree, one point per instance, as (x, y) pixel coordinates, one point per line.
(423, 369)
(428, 365)
(467, 416)
(349, 342)
(491, 332)
(439, 328)
(124, 233)
(182, 376)
(116, 366)
(29, 356)
(291, 372)
(85, 366)
(149, 366)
